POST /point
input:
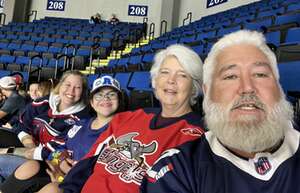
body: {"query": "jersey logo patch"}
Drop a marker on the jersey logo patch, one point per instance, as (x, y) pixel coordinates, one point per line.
(72, 132)
(262, 166)
(125, 156)
(70, 121)
(192, 131)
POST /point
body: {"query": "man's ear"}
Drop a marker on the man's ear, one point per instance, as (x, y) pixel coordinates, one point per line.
(204, 89)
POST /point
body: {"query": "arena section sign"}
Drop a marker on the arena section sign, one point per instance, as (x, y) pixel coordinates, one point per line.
(138, 10)
(56, 5)
(211, 3)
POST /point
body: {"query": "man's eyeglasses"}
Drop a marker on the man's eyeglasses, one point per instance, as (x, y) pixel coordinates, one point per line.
(111, 96)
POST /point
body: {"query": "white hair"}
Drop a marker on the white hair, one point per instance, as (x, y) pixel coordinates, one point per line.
(239, 37)
(249, 134)
(189, 60)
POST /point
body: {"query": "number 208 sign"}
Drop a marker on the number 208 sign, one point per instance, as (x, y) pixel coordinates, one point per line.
(56, 5)
(211, 3)
(137, 10)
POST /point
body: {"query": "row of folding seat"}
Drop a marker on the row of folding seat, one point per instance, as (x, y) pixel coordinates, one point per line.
(202, 42)
(42, 25)
(252, 9)
(51, 51)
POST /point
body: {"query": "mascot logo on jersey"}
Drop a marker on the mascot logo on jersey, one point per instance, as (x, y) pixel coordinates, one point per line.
(125, 156)
(262, 166)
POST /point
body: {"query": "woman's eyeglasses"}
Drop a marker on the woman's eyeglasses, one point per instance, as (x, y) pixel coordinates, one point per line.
(111, 96)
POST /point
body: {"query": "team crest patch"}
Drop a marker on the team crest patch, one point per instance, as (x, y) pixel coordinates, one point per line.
(192, 131)
(70, 121)
(125, 157)
(72, 132)
(262, 166)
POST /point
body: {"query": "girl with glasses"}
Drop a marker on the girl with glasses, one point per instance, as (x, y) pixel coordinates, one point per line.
(105, 98)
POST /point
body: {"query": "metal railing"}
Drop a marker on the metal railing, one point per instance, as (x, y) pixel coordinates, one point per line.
(34, 13)
(2, 18)
(188, 17)
(163, 27)
(151, 30)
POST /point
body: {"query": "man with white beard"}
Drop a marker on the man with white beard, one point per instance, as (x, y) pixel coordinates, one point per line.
(251, 145)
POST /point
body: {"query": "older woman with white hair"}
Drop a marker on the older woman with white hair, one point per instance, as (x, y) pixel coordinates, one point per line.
(123, 153)
(251, 145)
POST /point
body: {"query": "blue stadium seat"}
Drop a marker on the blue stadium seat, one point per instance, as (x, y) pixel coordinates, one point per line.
(62, 40)
(123, 78)
(147, 60)
(141, 94)
(60, 63)
(41, 48)
(228, 30)
(198, 49)
(23, 37)
(4, 73)
(187, 39)
(258, 25)
(75, 42)
(287, 19)
(7, 59)
(121, 65)
(13, 46)
(289, 76)
(293, 7)
(3, 45)
(272, 12)
(27, 47)
(292, 36)
(91, 78)
(140, 81)
(273, 37)
(36, 38)
(83, 52)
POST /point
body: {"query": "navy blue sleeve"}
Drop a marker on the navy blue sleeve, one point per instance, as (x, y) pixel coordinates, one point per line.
(169, 175)
(25, 119)
(78, 175)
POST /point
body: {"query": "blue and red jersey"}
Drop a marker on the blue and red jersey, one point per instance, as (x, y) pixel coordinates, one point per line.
(123, 153)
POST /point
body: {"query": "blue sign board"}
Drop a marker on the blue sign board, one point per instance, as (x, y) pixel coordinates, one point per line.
(138, 10)
(56, 5)
(211, 3)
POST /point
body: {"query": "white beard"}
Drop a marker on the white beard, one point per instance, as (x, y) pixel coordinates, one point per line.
(247, 133)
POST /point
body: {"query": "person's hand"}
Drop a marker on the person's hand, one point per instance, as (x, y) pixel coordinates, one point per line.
(66, 165)
(29, 153)
(56, 175)
(7, 125)
(27, 141)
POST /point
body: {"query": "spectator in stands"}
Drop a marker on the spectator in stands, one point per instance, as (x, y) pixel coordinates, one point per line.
(96, 19)
(20, 87)
(13, 102)
(138, 138)
(33, 90)
(45, 87)
(251, 145)
(46, 119)
(18, 79)
(105, 99)
(114, 20)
